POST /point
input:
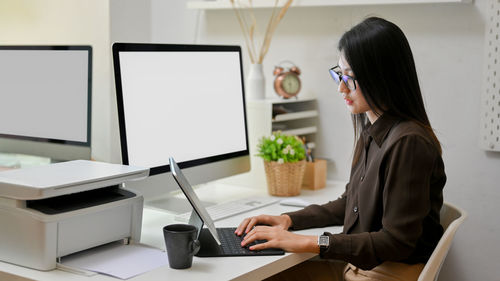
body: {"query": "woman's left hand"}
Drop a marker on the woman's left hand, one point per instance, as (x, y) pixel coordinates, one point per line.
(279, 238)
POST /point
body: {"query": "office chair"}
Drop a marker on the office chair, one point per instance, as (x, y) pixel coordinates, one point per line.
(451, 218)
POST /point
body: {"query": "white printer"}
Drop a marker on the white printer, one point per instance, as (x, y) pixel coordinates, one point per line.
(51, 211)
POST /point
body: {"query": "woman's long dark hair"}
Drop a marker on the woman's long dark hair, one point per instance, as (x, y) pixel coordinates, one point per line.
(381, 59)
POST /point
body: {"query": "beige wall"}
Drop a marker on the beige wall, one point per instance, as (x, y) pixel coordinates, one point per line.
(72, 22)
(130, 22)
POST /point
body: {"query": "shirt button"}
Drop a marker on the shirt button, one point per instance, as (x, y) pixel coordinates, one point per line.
(355, 209)
(362, 178)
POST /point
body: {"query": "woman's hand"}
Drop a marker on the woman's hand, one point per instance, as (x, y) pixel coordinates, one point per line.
(283, 222)
(278, 237)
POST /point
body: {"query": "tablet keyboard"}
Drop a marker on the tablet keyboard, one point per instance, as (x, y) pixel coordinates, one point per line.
(230, 245)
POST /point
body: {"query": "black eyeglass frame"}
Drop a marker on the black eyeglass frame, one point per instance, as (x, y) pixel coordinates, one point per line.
(337, 76)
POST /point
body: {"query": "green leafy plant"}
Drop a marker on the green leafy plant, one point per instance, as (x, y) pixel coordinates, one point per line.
(281, 148)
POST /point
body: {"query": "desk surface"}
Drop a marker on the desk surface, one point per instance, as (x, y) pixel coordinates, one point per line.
(226, 268)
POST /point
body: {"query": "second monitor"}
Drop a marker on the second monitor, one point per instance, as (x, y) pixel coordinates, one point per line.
(46, 100)
(182, 101)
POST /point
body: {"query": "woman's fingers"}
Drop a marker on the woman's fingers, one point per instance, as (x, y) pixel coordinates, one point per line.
(250, 226)
(276, 237)
(261, 246)
(242, 226)
(247, 224)
(257, 233)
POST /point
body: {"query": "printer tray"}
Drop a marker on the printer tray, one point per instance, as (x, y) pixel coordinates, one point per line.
(80, 200)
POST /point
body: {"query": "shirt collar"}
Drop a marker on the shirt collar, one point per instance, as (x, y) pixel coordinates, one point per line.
(380, 129)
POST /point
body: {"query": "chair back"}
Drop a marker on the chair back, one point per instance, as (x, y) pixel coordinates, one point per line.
(451, 218)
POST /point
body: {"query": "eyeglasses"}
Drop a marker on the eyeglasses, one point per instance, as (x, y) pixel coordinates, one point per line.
(337, 75)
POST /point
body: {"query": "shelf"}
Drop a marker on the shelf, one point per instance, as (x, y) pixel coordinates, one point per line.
(225, 4)
(295, 115)
(300, 131)
(281, 101)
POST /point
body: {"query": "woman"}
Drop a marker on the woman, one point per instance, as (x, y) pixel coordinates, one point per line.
(390, 208)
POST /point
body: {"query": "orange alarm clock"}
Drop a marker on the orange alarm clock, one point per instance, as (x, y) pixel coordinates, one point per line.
(287, 82)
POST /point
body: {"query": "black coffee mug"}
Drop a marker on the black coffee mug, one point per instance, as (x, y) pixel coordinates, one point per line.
(182, 244)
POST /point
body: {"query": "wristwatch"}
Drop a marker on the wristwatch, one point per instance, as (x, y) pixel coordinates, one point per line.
(323, 241)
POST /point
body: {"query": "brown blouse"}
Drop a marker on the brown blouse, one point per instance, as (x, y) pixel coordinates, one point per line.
(390, 208)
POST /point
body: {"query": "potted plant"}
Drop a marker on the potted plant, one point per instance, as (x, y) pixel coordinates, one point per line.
(284, 163)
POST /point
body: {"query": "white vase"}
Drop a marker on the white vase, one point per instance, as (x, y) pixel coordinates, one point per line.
(256, 82)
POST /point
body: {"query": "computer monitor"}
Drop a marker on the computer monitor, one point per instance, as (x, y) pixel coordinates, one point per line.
(45, 101)
(181, 101)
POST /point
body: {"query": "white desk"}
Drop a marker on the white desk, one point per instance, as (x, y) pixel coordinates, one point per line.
(225, 268)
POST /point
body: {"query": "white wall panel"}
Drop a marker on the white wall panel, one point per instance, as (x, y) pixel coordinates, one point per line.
(490, 101)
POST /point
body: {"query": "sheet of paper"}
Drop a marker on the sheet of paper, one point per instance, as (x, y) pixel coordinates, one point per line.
(118, 260)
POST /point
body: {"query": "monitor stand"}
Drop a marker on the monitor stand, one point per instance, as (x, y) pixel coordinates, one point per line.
(16, 160)
(162, 193)
(174, 204)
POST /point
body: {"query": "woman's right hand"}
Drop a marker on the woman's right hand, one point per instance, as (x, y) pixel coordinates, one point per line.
(247, 224)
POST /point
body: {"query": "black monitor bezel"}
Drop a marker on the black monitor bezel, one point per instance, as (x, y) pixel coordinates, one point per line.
(87, 48)
(147, 47)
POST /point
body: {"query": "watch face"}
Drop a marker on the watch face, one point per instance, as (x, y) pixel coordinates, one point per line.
(324, 241)
(291, 84)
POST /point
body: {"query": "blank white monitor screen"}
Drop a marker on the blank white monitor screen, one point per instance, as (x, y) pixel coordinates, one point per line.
(44, 94)
(179, 101)
(45, 97)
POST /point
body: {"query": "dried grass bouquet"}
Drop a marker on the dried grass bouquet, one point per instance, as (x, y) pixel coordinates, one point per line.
(248, 23)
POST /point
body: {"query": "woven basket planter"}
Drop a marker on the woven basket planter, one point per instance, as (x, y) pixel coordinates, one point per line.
(284, 179)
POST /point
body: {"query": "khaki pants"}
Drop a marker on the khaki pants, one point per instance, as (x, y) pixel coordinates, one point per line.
(331, 270)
